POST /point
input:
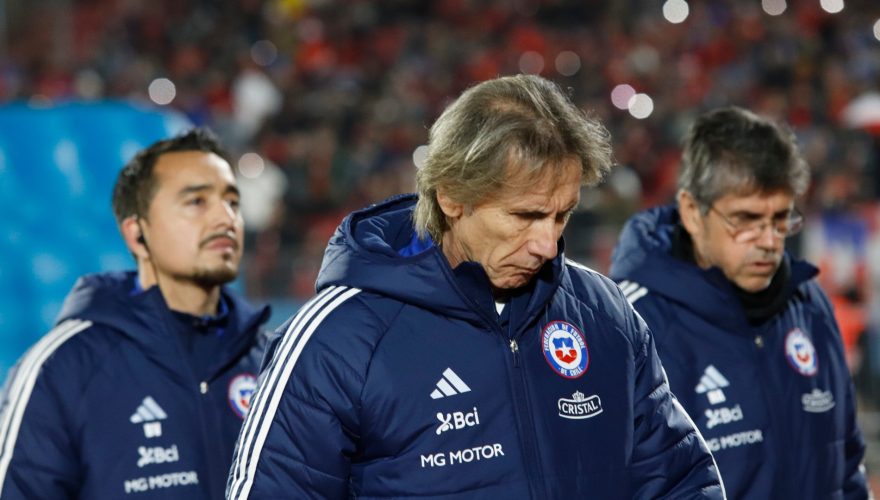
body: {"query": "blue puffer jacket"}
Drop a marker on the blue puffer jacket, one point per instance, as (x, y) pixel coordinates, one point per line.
(400, 379)
(106, 405)
(774, 401)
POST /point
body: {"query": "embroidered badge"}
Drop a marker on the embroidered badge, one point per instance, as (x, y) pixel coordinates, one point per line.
(241, 388)
(800, 353)
(565, 349)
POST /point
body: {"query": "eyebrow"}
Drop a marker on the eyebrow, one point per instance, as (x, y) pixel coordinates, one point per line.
(756, 215)
(196, 188)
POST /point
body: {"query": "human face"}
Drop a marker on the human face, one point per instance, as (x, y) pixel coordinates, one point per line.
(747, 260)
(515, 232)
(194, 229)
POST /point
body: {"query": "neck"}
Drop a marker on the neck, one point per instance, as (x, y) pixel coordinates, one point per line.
(452, 250)
(182, 295)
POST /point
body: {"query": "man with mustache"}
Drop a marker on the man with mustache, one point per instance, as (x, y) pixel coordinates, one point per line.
(141, 388)
(747, 337)
(453, 352)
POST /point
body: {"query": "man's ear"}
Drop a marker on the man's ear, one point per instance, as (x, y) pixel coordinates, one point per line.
(131, 229)
(689, 210)
(451, 208)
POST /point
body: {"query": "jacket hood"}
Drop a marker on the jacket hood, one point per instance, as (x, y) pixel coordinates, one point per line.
(644, 255)
(375, 249)
(116, 301)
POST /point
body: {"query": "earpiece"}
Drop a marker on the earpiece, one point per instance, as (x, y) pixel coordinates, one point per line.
(140, 238)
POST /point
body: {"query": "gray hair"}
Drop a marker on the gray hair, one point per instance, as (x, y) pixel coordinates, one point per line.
(521, 121)
(732, 150)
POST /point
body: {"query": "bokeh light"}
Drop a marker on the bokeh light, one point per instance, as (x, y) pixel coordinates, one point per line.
(774, 7)
(877, 29)
(531, 63)
(420, 154)
(675, 11)
(621, 94)
(641, 106)
(264, 52)
(568, 63)
(832, 6)
(162, 91)
(251, 165)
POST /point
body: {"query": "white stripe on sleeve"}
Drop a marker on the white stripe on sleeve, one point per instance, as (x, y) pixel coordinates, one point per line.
(22, 385)
(262, 412)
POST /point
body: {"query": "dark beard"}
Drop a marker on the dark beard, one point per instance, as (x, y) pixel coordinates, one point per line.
(209, 278)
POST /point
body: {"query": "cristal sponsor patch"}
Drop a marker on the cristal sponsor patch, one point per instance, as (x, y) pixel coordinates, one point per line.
(818, 401)
(565, 349)
(579, 406)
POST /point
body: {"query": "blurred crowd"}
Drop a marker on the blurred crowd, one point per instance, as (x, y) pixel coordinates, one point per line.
(325, 104)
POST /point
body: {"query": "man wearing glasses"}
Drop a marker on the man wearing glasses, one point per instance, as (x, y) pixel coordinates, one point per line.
(747, 337)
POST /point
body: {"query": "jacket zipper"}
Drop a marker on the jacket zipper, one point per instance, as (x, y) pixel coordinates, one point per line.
(514, 348)
(523, 416)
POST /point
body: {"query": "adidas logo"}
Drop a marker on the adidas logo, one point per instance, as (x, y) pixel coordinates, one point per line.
(449, 384)
(711, 384)
(632, 291)
(149, 413)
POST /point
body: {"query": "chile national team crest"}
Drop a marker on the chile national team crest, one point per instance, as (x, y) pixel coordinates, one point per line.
(565, 349)
(800, 353)
(241, 389)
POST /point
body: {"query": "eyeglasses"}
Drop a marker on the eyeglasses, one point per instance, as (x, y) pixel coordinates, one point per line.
(747, 229)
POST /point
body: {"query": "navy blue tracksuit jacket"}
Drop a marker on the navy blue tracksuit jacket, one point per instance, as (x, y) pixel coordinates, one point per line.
(107, 405)
(774, 400)
(400, 379)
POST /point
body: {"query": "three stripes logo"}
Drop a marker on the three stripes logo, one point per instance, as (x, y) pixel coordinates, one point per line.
(449, 384)
(149, 413)
(632, 291)
(711, 384)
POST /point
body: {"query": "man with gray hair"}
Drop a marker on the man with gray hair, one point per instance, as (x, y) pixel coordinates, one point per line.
(452, 351)
(747, 337)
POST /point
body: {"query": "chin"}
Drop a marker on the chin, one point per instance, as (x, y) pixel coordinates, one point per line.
(754, 285)
(217, 276)
(511, 283)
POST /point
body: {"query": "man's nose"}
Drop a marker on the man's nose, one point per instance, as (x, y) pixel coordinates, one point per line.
(769, 239)
(224, 214)
(543, 242)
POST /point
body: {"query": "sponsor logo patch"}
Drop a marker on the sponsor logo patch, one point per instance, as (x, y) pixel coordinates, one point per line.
(465, 456)
(150, 414)
(735, 440)
(818, 401)
(565, 349)
(157, 455)
(241, 389)
(721, 416)
(161, 481)
(457, 420)
(800, 353)
(449, 384)
(579, 406)
(711, 384)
